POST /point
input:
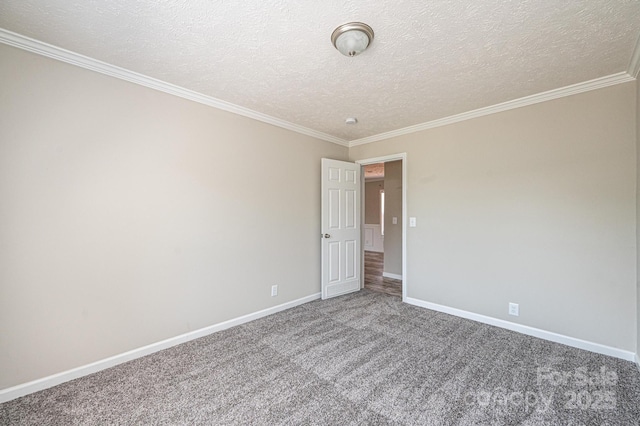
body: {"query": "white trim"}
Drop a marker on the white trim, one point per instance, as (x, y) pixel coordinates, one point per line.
(16, 40)
(390, 275)
(637, 356)
(597, 83)
(634, 64)
(47, 382)
(394, 157)
(524, 329)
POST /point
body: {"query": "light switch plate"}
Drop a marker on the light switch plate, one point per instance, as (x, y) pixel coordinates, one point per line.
(394, 220)
(412, 222)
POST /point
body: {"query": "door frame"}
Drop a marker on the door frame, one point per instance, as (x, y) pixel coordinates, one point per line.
(405, 223)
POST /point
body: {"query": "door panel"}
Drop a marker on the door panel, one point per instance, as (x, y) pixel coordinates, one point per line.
(350, 213)
(334, 209)
(350, 273)
(334, 262)
(340, 227)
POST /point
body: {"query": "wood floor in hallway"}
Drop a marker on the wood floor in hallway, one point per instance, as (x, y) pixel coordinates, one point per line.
(373, 279)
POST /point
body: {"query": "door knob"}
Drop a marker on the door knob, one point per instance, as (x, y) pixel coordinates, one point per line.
(327, 236)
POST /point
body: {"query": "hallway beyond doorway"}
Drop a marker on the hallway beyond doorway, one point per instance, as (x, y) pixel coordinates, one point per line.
(373, 279)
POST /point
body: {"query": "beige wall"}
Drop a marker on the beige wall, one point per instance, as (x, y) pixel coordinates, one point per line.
(534, 206)
(372, 202)
(393, 208)
(129, 216)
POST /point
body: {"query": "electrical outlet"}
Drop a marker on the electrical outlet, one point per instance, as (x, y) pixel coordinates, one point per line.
(514, 309)
(274, 290)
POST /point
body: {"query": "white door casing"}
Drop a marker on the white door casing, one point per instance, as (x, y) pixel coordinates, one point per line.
(340, 233)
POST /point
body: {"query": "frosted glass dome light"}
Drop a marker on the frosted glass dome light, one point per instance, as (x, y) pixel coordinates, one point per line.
(353, 38)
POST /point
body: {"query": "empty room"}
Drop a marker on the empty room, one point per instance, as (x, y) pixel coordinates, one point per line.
(344, 212)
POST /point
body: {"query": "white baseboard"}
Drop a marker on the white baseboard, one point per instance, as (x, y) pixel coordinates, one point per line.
(390, 275)
(638, 361)
(530, 331)
(14, 392)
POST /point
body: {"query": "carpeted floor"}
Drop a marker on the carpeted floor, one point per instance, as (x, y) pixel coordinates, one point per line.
(364, 358)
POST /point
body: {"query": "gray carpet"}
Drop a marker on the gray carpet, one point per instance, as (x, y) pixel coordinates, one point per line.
(364, 358)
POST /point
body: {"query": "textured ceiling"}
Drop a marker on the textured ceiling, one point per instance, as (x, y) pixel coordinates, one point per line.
(428, 60)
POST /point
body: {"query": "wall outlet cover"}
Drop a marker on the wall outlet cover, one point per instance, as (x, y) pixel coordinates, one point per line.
(514, 309)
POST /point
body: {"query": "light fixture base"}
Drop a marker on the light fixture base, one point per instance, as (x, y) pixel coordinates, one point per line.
(352, 38)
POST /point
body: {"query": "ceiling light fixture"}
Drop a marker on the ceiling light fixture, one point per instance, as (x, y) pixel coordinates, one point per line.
(351, 120)
(352, 38)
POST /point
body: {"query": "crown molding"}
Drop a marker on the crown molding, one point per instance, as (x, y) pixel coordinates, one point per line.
(634, 64)
(22, 42)
(598, 83)
(17, 40)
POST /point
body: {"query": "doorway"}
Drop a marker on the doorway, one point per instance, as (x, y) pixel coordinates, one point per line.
(384, 219)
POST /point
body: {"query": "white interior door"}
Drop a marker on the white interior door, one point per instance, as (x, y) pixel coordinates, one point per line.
(340, 227)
